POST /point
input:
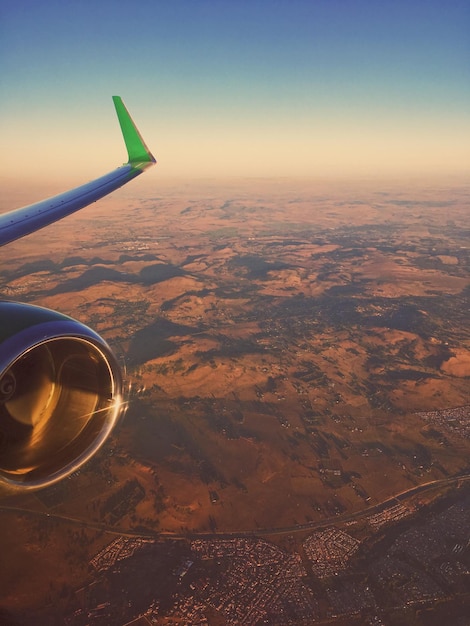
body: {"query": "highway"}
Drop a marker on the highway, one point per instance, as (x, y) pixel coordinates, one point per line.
(315, 525)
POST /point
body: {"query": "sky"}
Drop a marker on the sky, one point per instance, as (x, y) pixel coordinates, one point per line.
(257, 88)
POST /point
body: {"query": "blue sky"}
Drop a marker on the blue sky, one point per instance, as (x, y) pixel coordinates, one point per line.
(252, 88)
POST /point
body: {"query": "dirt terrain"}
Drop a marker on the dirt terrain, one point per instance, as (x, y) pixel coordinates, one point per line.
(283, 345)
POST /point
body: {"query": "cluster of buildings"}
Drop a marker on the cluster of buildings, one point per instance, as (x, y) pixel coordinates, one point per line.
(390, 514)
(429, 559)
(255, 579)
(329, 551)
(443, 538)
(119, 549)
(134, 246)
(248, 580)
(186, 611)
(350, 598)
(456, 420)
(405, 583)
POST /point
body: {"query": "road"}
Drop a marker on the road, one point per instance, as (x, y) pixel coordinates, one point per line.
(341, 518)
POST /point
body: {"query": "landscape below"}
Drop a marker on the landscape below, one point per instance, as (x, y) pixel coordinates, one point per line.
(297, 357)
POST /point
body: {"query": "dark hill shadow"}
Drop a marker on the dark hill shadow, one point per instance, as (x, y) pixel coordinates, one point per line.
(150, 275)
(153, 341)
(159, 272)
(257, 267)
(92, 277)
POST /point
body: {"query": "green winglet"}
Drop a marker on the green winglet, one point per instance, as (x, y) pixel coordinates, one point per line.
(136, 148)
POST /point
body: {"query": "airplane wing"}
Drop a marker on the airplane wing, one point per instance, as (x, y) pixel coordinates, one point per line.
(61, 388)
(20, 222)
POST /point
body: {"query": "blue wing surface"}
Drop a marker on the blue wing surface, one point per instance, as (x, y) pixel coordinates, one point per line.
(20, 222)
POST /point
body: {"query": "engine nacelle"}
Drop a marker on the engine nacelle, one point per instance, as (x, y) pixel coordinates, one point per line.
(60, 394)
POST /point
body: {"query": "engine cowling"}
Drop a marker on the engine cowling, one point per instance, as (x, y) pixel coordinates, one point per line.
(60, 394)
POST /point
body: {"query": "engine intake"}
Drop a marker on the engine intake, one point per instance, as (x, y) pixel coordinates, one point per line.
(60, 394)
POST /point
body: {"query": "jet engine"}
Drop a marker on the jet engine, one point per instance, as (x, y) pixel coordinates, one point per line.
(60, 394)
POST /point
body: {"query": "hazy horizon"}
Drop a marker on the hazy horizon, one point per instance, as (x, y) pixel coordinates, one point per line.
(295, 89)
